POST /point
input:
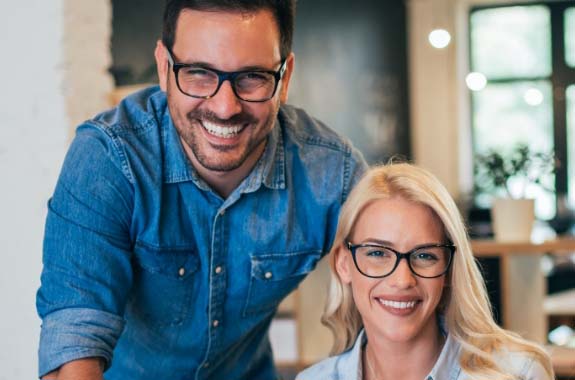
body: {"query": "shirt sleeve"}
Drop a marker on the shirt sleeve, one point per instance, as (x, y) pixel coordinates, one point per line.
(87, 249)
(355, 168)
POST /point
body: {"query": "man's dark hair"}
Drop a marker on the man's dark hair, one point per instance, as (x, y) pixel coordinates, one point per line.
(283, 11)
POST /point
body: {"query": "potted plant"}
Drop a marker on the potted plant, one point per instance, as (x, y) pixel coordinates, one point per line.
(507, 177)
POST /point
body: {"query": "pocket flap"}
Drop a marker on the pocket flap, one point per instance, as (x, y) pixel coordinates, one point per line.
(281, 266)
(177, 262)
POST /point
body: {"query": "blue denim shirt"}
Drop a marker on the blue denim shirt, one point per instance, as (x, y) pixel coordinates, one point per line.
(144, 261)
(348, 365)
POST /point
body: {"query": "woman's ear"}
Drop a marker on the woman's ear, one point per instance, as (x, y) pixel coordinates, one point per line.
(343, 264)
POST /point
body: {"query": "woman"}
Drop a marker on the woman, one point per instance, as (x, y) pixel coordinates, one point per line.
(406, 299)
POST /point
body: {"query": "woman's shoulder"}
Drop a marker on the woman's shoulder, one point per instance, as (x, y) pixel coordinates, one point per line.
(522, 365)
(518, 363)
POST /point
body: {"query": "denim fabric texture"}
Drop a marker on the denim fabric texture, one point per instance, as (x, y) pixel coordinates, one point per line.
(348, 365)
(147, 267)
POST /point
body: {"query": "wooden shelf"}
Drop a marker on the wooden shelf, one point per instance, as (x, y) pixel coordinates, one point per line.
(562, 303)
(491, 248)
(563, 360)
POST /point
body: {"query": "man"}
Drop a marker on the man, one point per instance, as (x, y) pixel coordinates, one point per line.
(183, 216)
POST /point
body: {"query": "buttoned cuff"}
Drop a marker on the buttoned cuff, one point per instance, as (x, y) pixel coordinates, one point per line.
(72, 334)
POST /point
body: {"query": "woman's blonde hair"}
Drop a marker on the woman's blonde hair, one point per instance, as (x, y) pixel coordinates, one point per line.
(465, 304)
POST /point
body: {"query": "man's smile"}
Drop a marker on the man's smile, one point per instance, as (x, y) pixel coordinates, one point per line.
(226, 132)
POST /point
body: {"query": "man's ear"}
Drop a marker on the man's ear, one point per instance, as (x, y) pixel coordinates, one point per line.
(162, 65)
(343, 264)
(290, 64)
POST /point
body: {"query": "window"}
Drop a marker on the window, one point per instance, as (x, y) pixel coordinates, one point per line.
(527, 54)
(570, 96)
(511, 42)
(570, 36)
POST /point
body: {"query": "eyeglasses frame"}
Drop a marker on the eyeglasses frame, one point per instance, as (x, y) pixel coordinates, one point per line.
(402, 255)
(226, 76)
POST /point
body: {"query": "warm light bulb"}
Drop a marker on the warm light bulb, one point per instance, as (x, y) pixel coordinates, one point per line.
(475, 81)
(533, 97)
(439, 38)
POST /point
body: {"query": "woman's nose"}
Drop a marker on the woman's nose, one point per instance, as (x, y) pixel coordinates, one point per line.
(402, 277)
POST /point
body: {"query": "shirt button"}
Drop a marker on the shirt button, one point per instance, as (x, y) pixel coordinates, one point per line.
(182, 272)
(268, 275)
(215, 323)
(206, 364)
(218, 270)
(222, 212)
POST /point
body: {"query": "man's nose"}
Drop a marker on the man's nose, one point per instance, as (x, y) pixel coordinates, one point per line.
(225, 103)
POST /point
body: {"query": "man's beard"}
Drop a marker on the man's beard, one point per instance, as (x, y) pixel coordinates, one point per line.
(244, 119)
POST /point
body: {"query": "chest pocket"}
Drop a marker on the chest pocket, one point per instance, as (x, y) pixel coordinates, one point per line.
(163, 284)
(274, 276)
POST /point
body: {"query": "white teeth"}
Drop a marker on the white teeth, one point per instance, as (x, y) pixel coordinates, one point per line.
(219, 131)
(396, 304)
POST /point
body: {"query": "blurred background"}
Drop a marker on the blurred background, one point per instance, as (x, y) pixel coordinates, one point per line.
(437, 82)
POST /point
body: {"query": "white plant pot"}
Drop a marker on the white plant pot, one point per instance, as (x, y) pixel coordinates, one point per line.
(513, 219)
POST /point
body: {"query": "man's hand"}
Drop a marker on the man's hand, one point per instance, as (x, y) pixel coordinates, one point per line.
(82, 369)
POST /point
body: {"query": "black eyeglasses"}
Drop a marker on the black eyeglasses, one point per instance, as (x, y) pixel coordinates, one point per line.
(250, 85)
(377, 261)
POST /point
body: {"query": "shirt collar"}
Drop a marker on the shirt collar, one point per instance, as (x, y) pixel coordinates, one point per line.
(353, 369)
(269, 170)
(447, 365)
(177, 167)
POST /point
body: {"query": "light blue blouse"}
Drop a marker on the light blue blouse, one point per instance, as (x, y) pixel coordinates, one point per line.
(347, 366)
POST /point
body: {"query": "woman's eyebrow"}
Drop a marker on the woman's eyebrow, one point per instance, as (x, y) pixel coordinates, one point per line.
(391, 245)
(377, 241)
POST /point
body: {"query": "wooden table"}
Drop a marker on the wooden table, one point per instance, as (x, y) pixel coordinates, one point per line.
(524, 291)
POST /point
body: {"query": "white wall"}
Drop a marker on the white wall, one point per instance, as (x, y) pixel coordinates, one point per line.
(41, 91)
(33, 133)
(438, 99)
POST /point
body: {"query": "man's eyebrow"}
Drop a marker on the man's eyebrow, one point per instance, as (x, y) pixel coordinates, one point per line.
(201, 64)
(206, 65)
